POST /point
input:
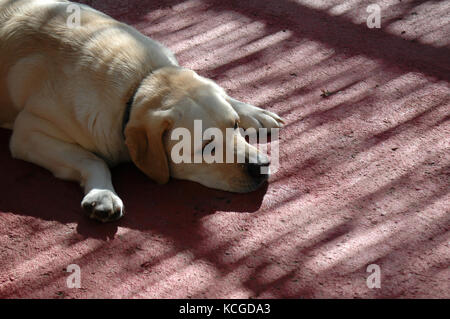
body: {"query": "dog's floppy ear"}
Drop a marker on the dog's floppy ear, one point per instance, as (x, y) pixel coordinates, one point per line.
(145, 144)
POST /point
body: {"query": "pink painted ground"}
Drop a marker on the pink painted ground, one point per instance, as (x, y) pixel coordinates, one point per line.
(364, 175)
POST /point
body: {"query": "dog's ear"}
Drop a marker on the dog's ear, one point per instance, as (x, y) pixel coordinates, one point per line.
(145, 144)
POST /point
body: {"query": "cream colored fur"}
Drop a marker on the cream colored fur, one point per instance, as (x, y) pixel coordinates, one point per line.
(63, 92)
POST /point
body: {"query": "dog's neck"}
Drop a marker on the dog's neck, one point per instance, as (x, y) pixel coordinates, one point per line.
(126, 114)
(129, 104)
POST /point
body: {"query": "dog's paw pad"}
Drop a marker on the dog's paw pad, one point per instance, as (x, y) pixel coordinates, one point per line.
(102, 205)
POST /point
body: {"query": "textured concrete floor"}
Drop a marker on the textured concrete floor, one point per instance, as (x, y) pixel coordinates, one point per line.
(364, 175)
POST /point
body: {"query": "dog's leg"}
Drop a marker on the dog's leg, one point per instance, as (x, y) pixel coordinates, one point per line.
(252, 116)
(69, 161)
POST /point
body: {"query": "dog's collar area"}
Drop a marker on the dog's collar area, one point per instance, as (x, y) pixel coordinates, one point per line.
(126, 114)
(129, 105)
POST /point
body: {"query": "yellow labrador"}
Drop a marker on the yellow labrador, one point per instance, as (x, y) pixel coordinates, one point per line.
(82, 98)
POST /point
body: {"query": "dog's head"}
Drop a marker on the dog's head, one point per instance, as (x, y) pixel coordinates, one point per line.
(162, 134)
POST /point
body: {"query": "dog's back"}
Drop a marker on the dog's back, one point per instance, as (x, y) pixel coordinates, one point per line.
(38, 45)
(22, 33)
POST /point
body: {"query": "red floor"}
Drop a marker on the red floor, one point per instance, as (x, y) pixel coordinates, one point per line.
(364, 175)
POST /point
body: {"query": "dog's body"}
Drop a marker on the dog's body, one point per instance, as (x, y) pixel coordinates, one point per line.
(64, 92)
(42, 59)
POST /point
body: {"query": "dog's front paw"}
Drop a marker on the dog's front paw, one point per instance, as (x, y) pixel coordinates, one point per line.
(255, 117)
(102, 205)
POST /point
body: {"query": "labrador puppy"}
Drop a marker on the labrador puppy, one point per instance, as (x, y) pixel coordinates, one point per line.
(83, 98)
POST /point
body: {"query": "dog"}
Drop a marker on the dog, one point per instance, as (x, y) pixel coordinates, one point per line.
(81, 99)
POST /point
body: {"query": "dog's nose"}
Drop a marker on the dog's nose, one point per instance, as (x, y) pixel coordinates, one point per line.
(260, 169)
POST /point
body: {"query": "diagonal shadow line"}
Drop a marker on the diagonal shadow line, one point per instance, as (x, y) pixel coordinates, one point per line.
(344, 35)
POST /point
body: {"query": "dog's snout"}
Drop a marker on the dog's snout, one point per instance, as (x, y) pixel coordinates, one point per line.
(260, 169)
